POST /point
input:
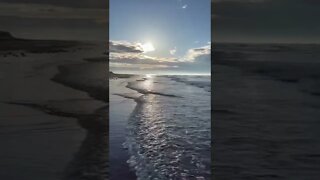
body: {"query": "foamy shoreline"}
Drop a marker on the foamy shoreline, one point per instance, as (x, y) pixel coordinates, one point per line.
(122, 104)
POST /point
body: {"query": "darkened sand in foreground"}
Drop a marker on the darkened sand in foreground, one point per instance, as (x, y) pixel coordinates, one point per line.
(266, 109)
(53, 109)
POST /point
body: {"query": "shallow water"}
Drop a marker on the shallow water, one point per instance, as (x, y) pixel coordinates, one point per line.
(168, 134)
(119, 111)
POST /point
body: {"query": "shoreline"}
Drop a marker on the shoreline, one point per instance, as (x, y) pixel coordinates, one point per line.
(122, 107)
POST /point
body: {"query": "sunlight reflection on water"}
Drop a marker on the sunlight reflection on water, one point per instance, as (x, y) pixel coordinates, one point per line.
(169, 137)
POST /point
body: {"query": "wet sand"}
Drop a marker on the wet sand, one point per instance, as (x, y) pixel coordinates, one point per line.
(121, 109)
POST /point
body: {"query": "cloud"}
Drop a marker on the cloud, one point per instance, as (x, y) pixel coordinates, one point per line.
(134, 58)
(125, 47)
(125, 55)
(185, 6)
(140, 61)
(46, 11)
(197, 60)
(195, 54)
(173, 51)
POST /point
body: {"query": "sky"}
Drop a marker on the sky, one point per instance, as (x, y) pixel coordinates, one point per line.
(160, 36)
(55, 19)
(271, 21)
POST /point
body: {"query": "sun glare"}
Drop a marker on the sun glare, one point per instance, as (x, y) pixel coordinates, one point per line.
(148, 75)
(147, 47)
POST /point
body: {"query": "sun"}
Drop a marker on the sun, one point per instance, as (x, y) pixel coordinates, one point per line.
(147, 47)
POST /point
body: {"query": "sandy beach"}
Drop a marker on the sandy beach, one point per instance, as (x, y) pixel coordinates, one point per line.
(54, 110)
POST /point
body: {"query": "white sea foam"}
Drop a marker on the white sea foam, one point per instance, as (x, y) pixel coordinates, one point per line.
(169, 134)
(198, 81)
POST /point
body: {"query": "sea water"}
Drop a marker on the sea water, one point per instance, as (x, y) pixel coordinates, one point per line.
(168, 134)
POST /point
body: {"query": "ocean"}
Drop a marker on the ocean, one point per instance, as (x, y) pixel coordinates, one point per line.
(266, 111)
(167, 134)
